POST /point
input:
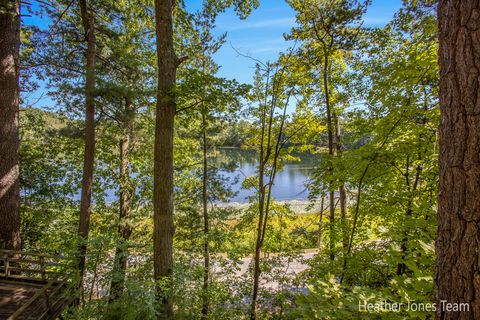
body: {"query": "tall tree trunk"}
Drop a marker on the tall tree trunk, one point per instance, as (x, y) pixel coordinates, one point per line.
(163, 158)
(457, 274)
(401, 266)
(261, 207)
(265, 190)
(9, 139)
(320, 223)
(126, 193)
(258, 244)
(88, 162)
(206, 248)
(342, 199)
(331, 153)
(342, 196)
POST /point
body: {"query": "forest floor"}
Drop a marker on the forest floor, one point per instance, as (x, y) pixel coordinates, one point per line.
(284, 268)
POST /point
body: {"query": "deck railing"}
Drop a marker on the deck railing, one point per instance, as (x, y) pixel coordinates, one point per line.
(32, 265)
(45, 271)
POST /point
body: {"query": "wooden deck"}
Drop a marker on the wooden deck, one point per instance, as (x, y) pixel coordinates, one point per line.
(31, 286)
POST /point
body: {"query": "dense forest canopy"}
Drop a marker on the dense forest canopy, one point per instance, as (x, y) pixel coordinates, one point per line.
(129, 170)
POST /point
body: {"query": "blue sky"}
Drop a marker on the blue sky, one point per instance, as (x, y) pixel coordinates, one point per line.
(260, 36)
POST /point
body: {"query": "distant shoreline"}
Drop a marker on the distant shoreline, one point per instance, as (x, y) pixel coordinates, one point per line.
(297, 206)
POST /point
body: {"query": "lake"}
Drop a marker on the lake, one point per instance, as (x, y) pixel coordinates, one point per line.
(289, 183)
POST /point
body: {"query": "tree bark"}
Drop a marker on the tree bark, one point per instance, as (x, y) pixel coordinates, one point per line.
(457, 273)
(261, 207)
(265, 189)
(320, 223)
(163, 158)
(9, 137)
(126, 193)
(401, 266)
(88, 162)
(206, 223)
(331, 153)
(342, 195)
(258, 244)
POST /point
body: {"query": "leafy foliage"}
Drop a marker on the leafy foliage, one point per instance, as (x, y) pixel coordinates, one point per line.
(382, 89)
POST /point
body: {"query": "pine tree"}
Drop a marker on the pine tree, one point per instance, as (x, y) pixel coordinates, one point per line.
(9, 138)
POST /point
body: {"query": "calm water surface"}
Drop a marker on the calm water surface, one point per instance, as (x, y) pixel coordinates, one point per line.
(289, 183)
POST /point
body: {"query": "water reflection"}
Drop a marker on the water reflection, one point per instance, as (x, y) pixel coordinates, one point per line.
(289, 183)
